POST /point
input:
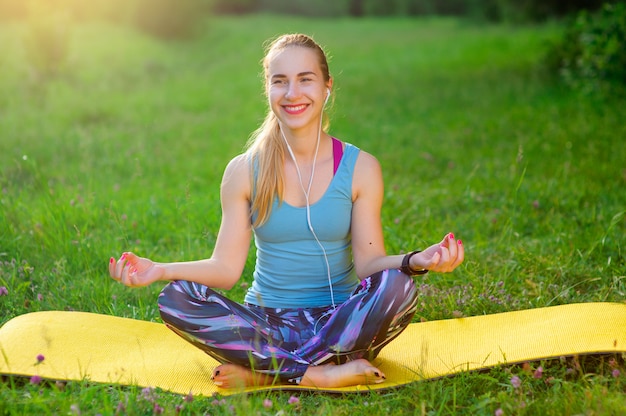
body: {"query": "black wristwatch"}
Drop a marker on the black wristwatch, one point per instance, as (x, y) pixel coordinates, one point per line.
(406, 267)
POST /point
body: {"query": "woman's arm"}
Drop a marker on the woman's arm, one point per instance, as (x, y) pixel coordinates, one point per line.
(223, 269)
(367, 234)
(368, 247)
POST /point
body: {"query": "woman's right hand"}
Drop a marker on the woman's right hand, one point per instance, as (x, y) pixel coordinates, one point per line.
(134, 271)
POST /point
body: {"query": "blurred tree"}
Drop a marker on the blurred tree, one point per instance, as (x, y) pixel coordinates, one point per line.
(356, 8)
(235, 6)
(324, 8)
(542, 9)
(539, 10)
(382, 8)
(452, 7)
(591, 56)
(170, 19)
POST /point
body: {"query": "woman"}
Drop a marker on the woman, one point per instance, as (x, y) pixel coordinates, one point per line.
(325, 297)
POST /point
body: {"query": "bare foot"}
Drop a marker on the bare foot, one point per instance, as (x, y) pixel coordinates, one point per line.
(351, 373)
(232, 375)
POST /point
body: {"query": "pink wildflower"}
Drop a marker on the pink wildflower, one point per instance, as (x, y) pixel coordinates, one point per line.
(35, 380)
(40, 358)
(516, 382)
(267, 403)
(293, 400)
(538, 372)
(499, 412)
(615, 373)
(3, 291)
(147, 393)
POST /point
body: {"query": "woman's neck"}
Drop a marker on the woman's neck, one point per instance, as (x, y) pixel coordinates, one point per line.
(305, 145)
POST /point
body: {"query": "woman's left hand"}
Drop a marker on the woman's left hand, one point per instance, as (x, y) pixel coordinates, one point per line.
(442, 257)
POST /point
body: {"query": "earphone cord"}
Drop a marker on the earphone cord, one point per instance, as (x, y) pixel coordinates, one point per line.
(308, 205)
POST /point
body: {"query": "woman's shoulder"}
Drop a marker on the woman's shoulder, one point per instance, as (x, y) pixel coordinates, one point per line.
(364, 162)
(237, 173)
(239, 165)
(367, 174)
(367, 162)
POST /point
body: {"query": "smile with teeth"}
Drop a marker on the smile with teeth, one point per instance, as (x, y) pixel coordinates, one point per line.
(295, 109)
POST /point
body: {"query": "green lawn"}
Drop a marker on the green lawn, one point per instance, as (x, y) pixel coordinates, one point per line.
(124, 150)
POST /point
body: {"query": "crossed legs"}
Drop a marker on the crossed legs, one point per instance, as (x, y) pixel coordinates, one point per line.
(258, 347)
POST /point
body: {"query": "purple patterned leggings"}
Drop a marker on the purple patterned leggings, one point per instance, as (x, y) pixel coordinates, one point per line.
(285, 342)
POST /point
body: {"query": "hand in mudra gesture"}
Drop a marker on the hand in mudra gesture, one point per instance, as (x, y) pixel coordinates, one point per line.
(135, 271)
(442, 257)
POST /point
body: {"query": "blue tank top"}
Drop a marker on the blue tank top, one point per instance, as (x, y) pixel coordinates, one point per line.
(290, 268)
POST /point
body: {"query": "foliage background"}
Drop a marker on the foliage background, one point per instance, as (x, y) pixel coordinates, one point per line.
(114, 133)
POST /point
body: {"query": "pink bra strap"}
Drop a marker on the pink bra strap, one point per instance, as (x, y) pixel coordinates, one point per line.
(337, 154)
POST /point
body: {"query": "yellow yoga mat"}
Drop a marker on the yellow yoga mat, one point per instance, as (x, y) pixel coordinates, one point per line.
(108, 349)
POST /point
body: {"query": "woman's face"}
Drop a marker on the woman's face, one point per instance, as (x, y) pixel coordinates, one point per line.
(296, 88)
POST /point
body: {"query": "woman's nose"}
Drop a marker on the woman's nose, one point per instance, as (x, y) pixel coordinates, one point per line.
(292, 91)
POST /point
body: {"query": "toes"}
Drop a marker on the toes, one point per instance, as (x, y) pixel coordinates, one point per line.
(375, 374)
(370, 373)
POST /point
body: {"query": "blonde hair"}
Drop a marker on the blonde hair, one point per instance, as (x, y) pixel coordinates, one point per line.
(265, 148)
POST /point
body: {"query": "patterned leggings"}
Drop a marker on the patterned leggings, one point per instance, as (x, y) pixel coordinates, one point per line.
(285, 342)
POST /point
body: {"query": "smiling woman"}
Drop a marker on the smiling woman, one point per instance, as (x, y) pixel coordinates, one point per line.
(445, 105)
(296, 78)
(326, 298)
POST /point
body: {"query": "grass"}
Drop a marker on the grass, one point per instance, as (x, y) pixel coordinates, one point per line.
(123, 149)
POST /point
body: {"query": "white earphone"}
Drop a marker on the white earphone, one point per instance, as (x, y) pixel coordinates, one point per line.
(307, 192)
